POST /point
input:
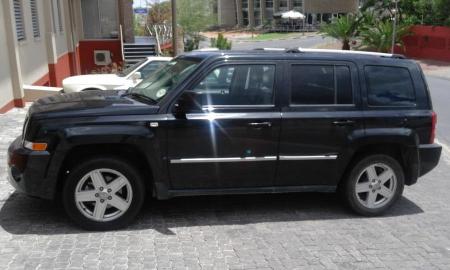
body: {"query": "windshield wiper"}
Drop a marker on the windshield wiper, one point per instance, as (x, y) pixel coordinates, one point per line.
(139, 96)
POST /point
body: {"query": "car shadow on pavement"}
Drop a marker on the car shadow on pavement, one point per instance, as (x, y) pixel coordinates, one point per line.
(24, 215)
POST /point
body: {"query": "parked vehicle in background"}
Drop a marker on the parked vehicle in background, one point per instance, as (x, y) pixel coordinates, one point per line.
(125, 79)
(211, 123)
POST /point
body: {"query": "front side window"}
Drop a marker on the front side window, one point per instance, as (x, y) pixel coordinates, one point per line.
(389, 86)
(236, 85)
(321, 85)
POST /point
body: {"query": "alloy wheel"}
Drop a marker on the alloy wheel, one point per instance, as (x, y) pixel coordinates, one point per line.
(103, 195)
(376, 186)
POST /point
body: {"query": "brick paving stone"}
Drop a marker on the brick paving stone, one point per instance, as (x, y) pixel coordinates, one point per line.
(291, 231)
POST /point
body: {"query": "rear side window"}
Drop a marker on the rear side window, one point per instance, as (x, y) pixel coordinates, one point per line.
(321, 85)
(389, 86)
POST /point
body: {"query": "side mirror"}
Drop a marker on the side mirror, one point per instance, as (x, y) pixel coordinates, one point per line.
(136, 76)
(186, 103)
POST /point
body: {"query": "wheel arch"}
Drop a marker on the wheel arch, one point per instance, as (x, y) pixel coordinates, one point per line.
(126, 152)
(405, 154)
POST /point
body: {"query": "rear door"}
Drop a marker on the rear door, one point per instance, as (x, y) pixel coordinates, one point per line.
(320, 117)
(396, 99)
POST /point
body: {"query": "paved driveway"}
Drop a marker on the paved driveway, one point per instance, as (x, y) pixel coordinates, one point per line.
(295, 231)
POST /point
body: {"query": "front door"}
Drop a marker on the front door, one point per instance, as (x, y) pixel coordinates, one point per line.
(227, 133)
(321, 116)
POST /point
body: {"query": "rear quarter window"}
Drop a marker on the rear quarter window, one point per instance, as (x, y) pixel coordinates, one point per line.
(389, 86)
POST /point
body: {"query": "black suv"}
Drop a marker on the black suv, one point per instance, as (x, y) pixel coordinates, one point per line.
(233, 123)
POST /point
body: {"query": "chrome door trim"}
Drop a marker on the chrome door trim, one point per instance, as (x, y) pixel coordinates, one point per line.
(222, 160)
(317, 157)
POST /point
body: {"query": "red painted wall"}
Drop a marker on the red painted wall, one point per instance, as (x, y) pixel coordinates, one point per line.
(59, 71)
(86, 53)
(428, 42)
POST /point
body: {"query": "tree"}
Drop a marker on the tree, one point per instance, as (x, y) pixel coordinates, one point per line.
(343, 29)
(194, 16)
(159, 13)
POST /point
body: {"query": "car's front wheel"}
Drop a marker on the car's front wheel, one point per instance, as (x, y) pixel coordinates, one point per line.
(374, 184)
(103, 194)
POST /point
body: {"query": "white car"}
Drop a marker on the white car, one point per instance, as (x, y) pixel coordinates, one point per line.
(125, 79)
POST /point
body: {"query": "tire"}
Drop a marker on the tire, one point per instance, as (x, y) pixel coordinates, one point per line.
(373, 198)
(103, 194)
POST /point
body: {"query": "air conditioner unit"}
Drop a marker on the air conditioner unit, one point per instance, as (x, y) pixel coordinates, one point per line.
(102, 58)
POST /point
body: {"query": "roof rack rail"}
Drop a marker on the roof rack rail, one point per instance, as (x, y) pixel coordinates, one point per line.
(302, 50)
(387, 55)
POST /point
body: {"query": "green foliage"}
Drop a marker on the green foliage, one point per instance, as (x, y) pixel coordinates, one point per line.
(159, 13)
(343, 29)
(378, 36)
(428, 12)
(192, 43)
(194, 16)
(139, 29)
(221, 42)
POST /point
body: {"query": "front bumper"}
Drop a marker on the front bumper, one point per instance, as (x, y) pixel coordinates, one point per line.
(429, 155)
(27, 170)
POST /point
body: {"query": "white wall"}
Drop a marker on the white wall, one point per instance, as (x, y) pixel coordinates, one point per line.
(6, 93)
(32, 51)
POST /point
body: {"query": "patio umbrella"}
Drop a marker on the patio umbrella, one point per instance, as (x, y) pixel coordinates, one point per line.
(292, 15)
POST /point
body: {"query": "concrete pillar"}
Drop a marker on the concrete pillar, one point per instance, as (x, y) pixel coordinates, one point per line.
(13, 52)
(126, 20)
(239, 15)
(226, 11)
(262, 4)
(276, 6)
(251, 13)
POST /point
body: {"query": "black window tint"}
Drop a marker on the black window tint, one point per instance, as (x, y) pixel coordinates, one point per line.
(389, 86)
(237, 85)
(344, 91)
(321, 85)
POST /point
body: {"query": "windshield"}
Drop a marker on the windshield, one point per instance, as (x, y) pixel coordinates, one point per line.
(130, 69)
(165, 79)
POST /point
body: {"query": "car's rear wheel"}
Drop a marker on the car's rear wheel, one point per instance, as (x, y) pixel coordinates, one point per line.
(374, 184)
(103, 194)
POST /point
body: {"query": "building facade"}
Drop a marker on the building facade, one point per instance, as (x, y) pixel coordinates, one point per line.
(43, 42)
(259, 12)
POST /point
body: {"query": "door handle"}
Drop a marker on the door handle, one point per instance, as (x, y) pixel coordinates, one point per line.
(342, 123)
(260, 124)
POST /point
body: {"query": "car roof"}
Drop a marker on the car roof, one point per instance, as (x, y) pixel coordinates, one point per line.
(159, 58)
(297, 53)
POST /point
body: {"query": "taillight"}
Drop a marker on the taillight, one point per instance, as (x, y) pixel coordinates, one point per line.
(433, 127)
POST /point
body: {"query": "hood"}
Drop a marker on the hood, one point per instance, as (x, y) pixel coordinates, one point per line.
(95, 79)
(90, 103)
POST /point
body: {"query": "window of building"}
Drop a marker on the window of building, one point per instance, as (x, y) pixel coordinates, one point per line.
(283, 4)
(100, 19)
(389, 86)
(236, 85)
(321, 85)
(35, 19)
(18, 16)
(269, 3)
(298, 5)
(244, 3)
